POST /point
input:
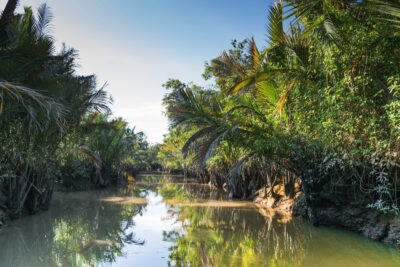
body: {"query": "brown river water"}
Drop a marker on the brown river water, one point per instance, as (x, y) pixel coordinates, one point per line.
(165, 223)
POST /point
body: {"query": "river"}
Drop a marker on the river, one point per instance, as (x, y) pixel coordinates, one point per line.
(161, 222)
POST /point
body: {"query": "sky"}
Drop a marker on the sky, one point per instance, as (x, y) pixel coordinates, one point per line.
(137, 45)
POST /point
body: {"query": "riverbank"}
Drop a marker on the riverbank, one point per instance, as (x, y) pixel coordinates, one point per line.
(333, 210)
(353, 216)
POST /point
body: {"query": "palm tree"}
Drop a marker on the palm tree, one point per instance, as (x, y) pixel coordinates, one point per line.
(274, 82)
(188, 107)
(39, 91)
(18, 41)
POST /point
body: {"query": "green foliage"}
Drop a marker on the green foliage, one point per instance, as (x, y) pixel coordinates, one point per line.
(54, 123)
(101, 151)
(319, 103)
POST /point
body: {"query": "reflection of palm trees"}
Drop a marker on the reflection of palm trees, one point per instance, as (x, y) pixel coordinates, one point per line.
(217, 235)
(221, 236)
(75, 232)
(237, 237)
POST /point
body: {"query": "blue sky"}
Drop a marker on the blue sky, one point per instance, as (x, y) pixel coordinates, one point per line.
(136, 45)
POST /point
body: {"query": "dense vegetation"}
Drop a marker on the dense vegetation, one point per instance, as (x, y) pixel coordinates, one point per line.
(55, 125)
(320, 104)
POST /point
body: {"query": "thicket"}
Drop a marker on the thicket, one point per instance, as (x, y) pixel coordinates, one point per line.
(319, 104)
(55, 125)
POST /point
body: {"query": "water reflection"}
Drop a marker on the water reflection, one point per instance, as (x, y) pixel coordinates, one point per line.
(215, 234)
(177, 224)
(79, 230)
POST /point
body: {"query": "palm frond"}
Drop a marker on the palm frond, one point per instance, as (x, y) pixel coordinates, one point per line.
(301, 9)
(254, 79)
(299, 44)
(43, 20)
(7, 14)
(266, 91)
(30, 98)
(330, 27)
(98, 100)
(199, 134)
(26, 24)
(276, 32)
(255, 55)
(231, 63)
(250, 110)
(208, 145)
(241, 85)
(184, 107)
(317, 17)
(90, 155)
(211, 147)
(386, 8)
(284, 96)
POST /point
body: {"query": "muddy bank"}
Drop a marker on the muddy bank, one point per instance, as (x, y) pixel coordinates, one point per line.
(277, 199)
(333, 210)
(343, 208)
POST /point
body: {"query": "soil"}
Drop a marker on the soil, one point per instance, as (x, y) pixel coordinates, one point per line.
(334, 210)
